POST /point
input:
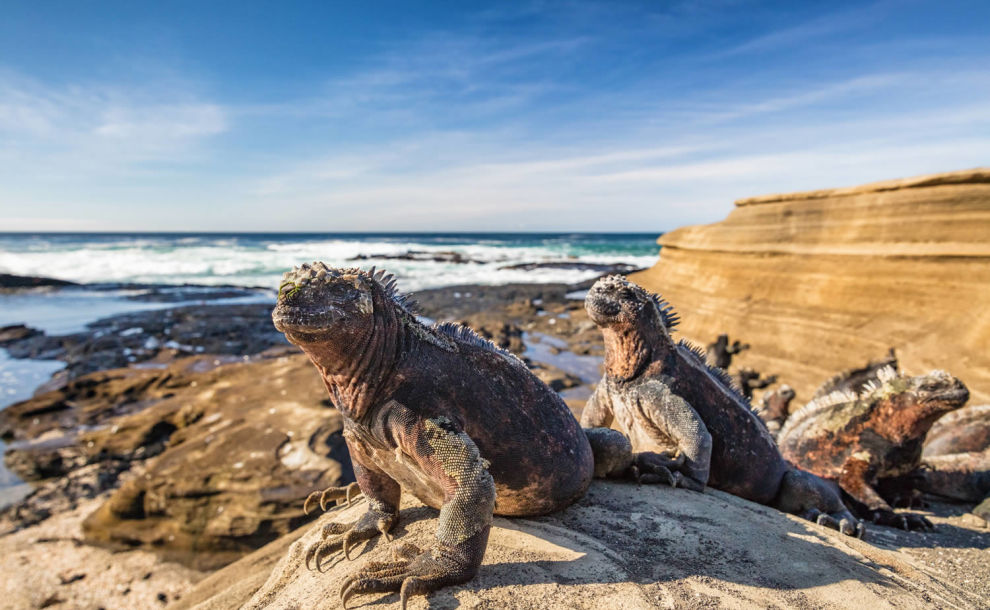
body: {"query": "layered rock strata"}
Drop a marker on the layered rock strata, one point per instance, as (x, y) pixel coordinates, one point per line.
(822, 281)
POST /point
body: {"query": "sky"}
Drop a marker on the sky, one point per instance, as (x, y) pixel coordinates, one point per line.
(464, 116)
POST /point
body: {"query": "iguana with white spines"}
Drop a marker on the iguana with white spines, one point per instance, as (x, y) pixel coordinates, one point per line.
(860, 438)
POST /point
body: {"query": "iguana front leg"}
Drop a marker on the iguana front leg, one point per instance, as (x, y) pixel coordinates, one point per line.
(448, 456)
(676, 418)
(383, 495)
(857, 473)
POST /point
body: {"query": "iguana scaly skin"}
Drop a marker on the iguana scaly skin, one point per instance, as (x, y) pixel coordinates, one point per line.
(859, 439)
(664, 396)
(439, 412)
(955, 459)
(775, 407)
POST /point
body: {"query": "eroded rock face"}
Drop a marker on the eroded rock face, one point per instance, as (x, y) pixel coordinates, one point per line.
(215, 459)
(821, 281)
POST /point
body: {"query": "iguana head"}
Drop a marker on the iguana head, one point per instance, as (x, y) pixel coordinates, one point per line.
(776, 403)
(916, 402)
(614, 301)
(316, 302)
(635, 324)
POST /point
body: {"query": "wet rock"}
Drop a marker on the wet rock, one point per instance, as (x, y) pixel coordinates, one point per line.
(16, 332)
(152, 336)
(447, 256)
(57, 495)
(26, 281)
(606, 268)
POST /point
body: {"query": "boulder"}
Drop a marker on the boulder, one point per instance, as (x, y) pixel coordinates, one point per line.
(623, 546)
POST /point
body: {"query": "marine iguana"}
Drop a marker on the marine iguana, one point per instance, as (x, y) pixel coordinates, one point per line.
(720, 353)
(774, 408)
(664, 395)
(955, 459)
(439, 412)
(859, 439)
(748, 380)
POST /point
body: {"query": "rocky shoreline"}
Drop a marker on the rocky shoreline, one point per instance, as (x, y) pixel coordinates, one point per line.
(195, 432)
(208, 410)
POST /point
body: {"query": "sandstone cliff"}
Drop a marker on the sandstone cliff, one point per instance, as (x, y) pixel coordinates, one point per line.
(825, 280)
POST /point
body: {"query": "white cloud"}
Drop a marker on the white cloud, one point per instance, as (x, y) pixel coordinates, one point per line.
(99, 127)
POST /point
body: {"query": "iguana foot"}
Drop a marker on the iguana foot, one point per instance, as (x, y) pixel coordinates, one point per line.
(904, 521)
(412, 572)
(332, 493)
(842, 521)
(340, 536)
(660, 468)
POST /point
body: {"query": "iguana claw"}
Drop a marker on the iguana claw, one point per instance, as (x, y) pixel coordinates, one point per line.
(348, 492)
(341, 536)
(410, 573)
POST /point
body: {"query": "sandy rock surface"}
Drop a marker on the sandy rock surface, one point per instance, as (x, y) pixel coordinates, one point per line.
(823, 281)
(215, 457)
(49, 566)
(648, 547)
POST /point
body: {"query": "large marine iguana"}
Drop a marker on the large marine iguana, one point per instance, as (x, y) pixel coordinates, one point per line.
(664, 395)
(860, 439)
(439, 412)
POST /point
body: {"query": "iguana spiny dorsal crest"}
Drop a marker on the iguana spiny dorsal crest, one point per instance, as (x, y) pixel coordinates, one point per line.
(860, 438)
(438, 412)
(665, 397)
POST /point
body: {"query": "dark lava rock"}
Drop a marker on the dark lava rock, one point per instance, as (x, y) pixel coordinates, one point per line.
(149, 336)
(604, 268)
(25, 281)
(419, 255)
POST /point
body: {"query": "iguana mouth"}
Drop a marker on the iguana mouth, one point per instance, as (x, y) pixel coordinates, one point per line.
(601, 309)
(304, 319)
(951, 396)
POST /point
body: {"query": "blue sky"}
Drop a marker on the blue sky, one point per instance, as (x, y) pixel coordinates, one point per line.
(459, 116)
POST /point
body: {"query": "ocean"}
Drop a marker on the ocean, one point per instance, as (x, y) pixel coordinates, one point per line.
(258, 259)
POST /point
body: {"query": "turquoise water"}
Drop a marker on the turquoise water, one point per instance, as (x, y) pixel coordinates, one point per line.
(260, 259)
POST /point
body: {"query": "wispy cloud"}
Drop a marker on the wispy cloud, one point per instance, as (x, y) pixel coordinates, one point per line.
(102, 122)
(558, 125)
